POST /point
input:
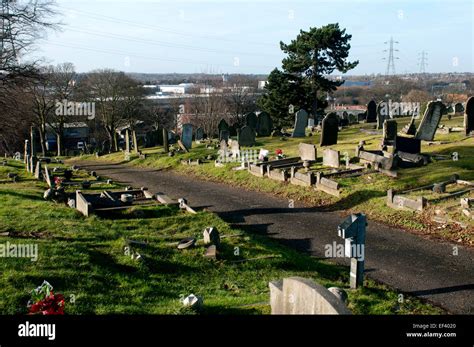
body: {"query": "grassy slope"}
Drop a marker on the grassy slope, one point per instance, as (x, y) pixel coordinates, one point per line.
(84, 257)
(363, 194)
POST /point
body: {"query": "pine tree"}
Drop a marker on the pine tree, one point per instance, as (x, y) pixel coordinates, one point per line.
(303, 81)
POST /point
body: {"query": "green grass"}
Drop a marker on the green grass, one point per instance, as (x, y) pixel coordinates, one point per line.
(365, 194)
(84, 259)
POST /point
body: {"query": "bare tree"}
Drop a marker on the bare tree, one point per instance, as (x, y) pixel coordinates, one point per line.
(115, 96)
(21, 24)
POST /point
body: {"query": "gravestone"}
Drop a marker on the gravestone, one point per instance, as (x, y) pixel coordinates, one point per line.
(331, 158)
(459, 108)
(371, 112)
(469, 116)
(307, 151)
(296, 295)
(199, 134)
(352, 230)
(389, 131)
(330, 129)
(233, 130)
(380, 115)
(235, 149)
(310, 123)
(429, 123)
(165, 140)
(187, 135)
(408, 144)
(246, 136)
(251, 120)
(264, 124)
(222, 126)
(224, 135)
(301, 121)
(361, 116)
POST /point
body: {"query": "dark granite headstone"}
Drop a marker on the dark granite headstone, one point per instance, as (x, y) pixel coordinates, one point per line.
(389, 131)
(224, 135)
(458, 108)
(469, 116)
(408, 144)
(251, 120)
(371, 112)
(329, 131)
(264, 124)
(187, 135)
(246, 136)
(199, 134)
(381, 116)
(223, 126)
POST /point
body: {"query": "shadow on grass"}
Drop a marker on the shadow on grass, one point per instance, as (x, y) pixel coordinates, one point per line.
(23, 195)
(352, 200)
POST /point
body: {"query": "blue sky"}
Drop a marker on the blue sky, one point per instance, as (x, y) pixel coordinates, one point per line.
(243, 36)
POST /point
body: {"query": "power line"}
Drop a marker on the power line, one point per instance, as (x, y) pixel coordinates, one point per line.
(163, 29)
(126, 54)
(391, 56)
(164, 43)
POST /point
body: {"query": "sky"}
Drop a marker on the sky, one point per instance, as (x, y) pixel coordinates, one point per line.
(242, 36)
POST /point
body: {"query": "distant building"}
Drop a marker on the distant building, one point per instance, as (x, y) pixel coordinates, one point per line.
(262, 84)
(181, 88)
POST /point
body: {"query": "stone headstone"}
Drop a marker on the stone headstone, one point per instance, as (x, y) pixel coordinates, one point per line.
(246, 136)
(211, 236)
(380, 115)
(199, 134)
(224, 135)
(371, 112)
(408, 144)
(330, 129)
(458, 108)
(235, 149)
(469, 116)
(310, 123)
(264, 124)
(251, 120)
(223, 126)
(331, 158)
(187, 135)
(389, 131)
(296, 295)
(307, 151)
(429, 123)
(301, 121)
